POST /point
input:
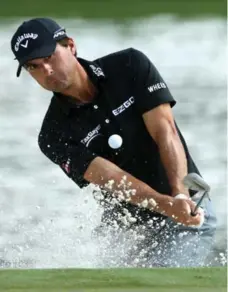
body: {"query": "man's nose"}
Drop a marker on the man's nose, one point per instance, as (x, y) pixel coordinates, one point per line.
(48, 70)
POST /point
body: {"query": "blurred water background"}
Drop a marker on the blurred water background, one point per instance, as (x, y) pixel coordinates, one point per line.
(45, 219)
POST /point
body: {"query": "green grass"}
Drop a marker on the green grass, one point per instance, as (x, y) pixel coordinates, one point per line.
(115, 9)
(110, 280)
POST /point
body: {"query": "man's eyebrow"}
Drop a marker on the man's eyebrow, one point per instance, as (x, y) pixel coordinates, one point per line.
(29, 63)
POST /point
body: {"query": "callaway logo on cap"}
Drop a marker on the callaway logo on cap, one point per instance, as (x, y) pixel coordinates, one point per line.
(35, 38)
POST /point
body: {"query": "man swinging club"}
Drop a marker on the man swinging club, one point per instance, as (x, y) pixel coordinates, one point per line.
(110, 123)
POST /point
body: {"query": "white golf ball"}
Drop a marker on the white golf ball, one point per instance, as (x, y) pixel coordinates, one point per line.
(115, 141)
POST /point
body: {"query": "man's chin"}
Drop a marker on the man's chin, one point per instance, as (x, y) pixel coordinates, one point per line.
(56, 88)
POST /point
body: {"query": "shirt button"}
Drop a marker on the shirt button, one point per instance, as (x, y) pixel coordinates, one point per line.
(107, 121)
(95, 106)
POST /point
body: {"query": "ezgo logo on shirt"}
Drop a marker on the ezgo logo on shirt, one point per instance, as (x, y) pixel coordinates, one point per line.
(123, 106)
(91, 135)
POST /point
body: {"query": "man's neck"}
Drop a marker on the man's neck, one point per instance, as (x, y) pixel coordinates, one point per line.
(82, 90)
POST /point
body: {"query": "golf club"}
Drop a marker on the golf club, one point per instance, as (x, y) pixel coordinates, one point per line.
(196, 183)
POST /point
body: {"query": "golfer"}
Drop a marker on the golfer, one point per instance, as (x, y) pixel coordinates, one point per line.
(110, 123)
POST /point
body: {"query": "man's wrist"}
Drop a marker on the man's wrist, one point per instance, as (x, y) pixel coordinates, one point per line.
(163, 204)
(180, 190)
(181, 196)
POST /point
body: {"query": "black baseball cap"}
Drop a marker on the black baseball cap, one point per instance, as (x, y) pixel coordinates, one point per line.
(36, 38)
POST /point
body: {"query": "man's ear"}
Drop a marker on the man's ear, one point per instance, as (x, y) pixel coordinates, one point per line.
(72, 46)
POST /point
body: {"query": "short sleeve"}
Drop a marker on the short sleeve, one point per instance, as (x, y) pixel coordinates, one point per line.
(150, 88)
(73, 159)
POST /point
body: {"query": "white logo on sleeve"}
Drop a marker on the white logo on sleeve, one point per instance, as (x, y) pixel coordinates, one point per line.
(156, 87)
(26, 37)
(123, 106)
(91, 135)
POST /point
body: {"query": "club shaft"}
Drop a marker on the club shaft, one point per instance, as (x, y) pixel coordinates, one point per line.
(199, 202)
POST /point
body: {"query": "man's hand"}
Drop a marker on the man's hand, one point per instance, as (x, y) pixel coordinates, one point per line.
(180, 211)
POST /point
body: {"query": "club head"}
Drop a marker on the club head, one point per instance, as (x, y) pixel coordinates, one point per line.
(195, 182)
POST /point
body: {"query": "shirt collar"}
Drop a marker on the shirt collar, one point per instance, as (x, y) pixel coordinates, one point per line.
(96, 75)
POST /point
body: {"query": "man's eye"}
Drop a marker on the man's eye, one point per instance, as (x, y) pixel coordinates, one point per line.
(30, 67)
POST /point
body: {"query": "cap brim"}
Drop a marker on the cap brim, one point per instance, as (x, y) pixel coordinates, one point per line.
(45, 51)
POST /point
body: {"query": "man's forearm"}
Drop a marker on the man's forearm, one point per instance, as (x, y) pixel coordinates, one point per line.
(126, 187)
(174, 159)
(108, 176)
(161, 126)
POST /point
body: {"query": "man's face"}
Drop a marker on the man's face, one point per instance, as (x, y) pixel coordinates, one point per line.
(56, 72)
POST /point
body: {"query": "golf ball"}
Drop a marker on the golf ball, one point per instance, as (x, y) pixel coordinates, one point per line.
(115, 141)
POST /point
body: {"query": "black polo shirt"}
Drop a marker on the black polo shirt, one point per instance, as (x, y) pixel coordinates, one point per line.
(128, 84)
